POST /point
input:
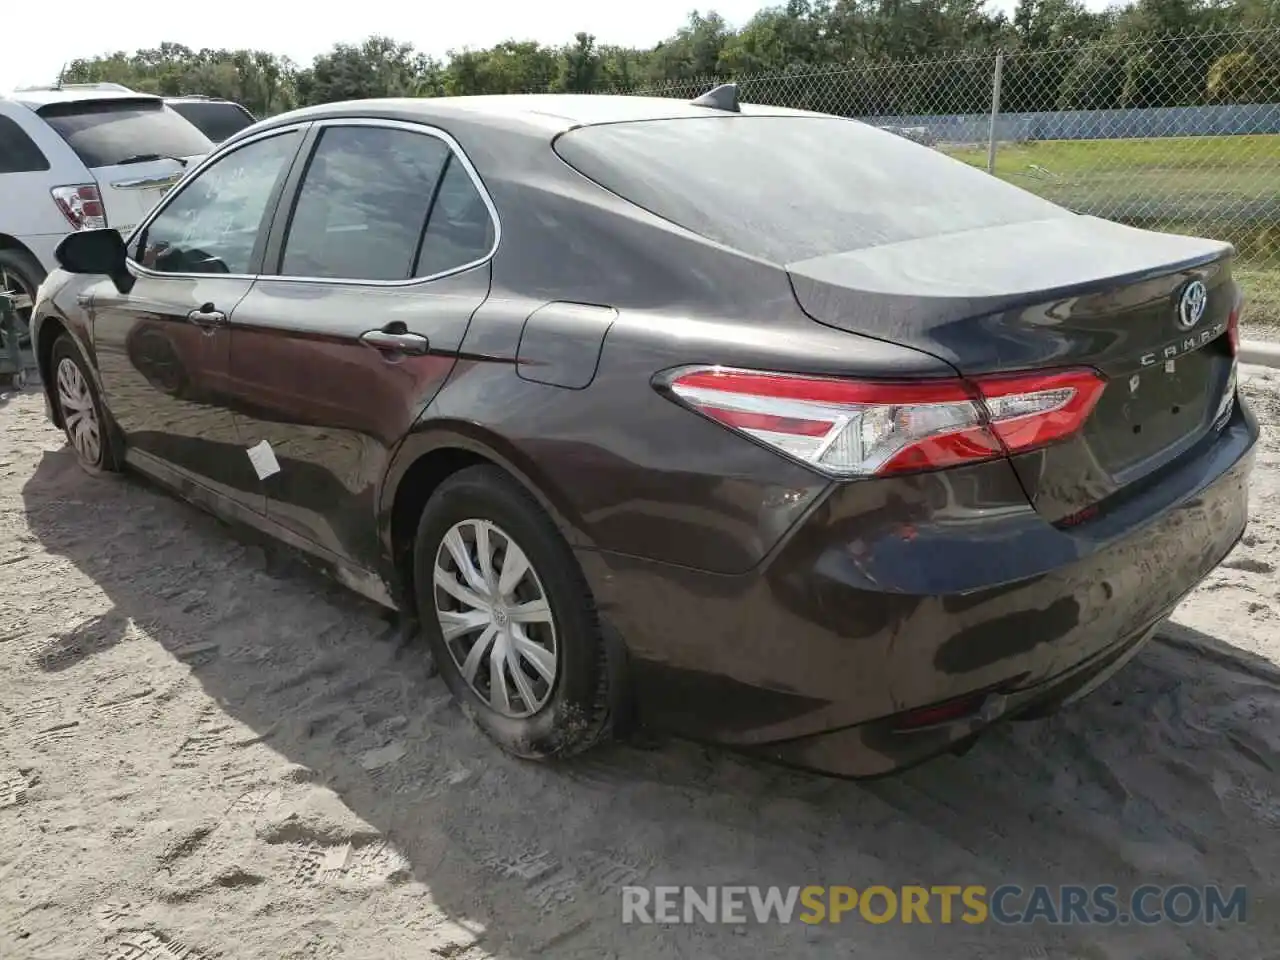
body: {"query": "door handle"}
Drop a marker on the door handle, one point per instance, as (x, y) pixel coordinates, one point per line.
(207, 316)
(414, 343)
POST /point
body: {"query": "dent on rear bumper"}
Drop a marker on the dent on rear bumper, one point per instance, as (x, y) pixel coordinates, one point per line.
(868, 610)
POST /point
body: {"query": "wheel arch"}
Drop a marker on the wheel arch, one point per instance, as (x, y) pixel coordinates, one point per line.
(48, 331)
(424, 460)
(10, 242)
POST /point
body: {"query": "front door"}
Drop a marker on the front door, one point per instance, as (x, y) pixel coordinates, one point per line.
(163, 348)
(379, 266)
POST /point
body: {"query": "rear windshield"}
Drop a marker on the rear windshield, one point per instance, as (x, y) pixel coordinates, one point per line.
(106, 132)
(217, 121)
(789, 188)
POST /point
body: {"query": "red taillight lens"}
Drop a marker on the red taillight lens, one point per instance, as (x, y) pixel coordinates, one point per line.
(866, 428)
(81, 205)
(1031, 410)
(1233, 325)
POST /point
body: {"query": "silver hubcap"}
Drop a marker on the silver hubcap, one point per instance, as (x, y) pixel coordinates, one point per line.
(78, 413)
(495, 618)
(20, 298)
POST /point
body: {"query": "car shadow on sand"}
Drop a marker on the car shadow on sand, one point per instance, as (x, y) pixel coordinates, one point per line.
(1168, 774)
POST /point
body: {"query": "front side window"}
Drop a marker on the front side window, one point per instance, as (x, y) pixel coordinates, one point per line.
(384, 204)
(212, 225)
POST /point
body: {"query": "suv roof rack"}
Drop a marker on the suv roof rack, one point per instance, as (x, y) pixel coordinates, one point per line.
(103, 86)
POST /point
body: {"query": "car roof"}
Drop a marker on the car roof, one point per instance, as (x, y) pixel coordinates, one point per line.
(542, 112)
(35, 99)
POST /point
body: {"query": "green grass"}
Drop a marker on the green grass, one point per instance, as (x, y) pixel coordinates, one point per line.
(1161, 153)
(1227, 188)
(1262, 297)
(1183, 178)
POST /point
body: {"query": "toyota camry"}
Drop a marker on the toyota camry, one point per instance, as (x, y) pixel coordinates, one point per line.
(766, 427)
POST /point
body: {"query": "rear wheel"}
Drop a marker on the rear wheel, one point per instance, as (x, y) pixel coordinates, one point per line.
(84, 418)
(20, 278)
(509, 617)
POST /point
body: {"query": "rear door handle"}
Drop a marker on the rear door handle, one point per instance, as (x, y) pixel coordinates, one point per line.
(413, 343)
(207, 316)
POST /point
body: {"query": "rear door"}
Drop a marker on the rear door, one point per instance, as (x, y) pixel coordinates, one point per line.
(378, 266)
(163, 347)
(136, 148)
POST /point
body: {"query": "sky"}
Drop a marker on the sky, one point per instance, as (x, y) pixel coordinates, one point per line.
(36, 46)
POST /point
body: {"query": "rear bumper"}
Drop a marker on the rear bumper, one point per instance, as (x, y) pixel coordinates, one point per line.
(858, 617)
(880, 746)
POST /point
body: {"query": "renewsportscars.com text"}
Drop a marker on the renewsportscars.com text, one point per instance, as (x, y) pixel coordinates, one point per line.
(945, 903)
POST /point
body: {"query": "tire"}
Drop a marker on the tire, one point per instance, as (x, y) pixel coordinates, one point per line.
(545, 719)
(19, 269)
(95, 458)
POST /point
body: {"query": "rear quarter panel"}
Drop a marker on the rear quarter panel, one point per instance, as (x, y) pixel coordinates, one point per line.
(625, 468)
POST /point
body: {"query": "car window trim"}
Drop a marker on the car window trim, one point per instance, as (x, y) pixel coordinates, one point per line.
(264, 224)
(279, 229)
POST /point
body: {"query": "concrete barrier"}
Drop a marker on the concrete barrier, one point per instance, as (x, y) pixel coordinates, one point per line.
(1264, 353)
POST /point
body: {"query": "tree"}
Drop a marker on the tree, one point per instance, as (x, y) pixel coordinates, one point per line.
(379, 67)
(580, 66)
(509, 67)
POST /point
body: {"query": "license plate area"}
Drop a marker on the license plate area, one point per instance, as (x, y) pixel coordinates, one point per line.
(1148, 410)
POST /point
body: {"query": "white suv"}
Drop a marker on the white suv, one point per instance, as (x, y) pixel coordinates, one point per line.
(77, 158)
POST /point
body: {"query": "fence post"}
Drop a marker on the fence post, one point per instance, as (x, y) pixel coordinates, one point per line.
(995, 111)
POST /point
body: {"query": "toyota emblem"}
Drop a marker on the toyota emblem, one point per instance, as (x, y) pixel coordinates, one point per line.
(1195, 297)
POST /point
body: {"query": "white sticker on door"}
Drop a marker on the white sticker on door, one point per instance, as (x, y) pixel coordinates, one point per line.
(264, 460)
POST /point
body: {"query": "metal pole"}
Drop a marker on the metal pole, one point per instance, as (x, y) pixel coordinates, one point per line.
(995, 112)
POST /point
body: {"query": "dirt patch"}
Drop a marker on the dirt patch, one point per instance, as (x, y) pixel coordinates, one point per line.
(206, 751)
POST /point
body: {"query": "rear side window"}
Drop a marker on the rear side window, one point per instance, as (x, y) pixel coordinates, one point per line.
(18, 152)
(379, 203)
(215, 120)
(107, 132)
(790, 188)
(459, 228)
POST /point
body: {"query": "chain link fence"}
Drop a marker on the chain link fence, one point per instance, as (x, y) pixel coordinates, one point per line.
(1180, 134)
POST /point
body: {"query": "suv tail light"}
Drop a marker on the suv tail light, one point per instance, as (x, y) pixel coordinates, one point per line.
(854, 428)
(81, 205)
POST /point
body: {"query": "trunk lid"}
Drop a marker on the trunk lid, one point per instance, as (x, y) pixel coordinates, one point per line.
(1068, 291)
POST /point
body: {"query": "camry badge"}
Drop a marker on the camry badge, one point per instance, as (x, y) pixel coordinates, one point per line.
(1195, 297)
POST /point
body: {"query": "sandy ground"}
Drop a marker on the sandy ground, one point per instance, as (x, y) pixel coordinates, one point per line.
(208, 751)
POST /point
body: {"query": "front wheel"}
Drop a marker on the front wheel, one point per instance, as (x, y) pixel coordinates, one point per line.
(510, 618)
(83, 415)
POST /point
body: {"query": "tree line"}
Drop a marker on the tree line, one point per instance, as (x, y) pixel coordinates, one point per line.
(855, 57)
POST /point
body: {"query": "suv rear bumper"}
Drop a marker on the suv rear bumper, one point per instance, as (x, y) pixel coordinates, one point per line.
(814, 657)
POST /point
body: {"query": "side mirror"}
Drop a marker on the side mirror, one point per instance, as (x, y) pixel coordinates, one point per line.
(96, 252)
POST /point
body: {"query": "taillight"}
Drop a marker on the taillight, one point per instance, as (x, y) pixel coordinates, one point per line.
(864, 427)
(81, 205)
(1233, 325)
